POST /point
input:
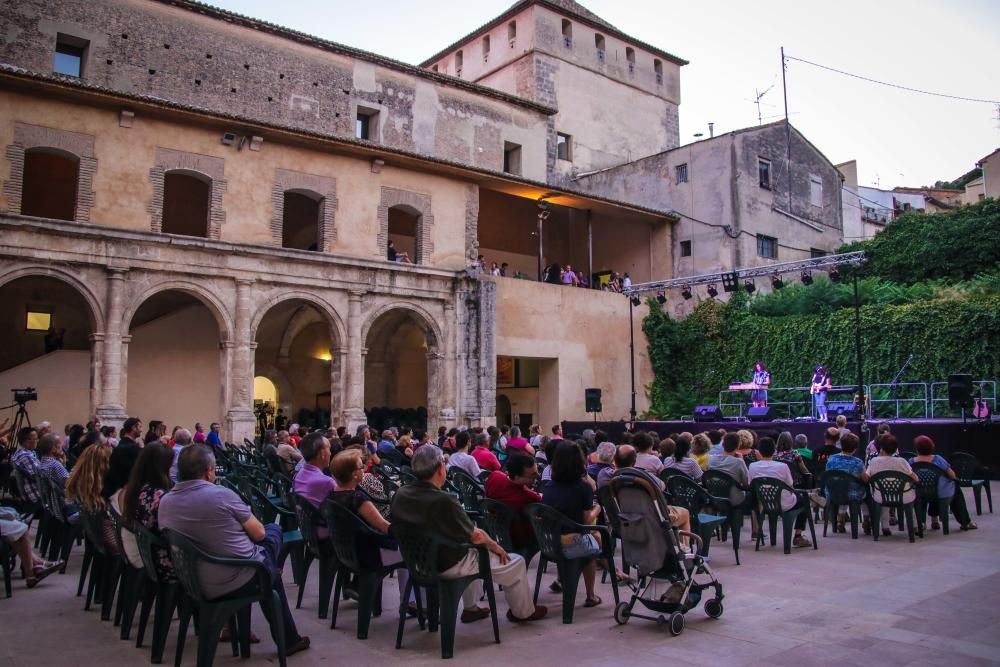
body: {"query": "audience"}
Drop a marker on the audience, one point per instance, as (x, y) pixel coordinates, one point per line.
(54, 470)
(887, 460)
(513, 488)
(645, 457)
(34, 568)
(603, 459)
(123, 457)
(946, 484)
(486, 459)
(140, 499)
(766, 467)
(25, 462)
(678, 459)
(847, 461)
(461, 459)
(84, 487)
(700, 447)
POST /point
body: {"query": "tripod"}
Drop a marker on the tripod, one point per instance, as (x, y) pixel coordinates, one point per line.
(21, 418)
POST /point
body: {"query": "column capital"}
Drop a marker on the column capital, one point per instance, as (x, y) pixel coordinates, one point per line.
(96, 337)
(117, 270)
(245, 282)
(356, 294)
(126, 339)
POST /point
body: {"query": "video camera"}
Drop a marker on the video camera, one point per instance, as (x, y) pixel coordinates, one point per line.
(25, 395)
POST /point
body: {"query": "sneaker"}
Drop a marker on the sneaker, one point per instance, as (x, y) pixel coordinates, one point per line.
(473, 615)
(538, 614)
(800, 541)
(301, 645)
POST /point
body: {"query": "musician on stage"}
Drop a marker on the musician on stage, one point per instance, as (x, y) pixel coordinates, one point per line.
(762, 379)
(820, 384)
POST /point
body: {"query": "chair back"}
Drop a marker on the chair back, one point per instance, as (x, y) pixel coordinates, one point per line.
(606, 501)
(686, 492)
(767, 491)
(118, 525)
(891, 485)
(420, 551)
(261, 507)
(406, 475)
(966, 466)
(90, 520)
(719, 484)
(50, 498)
(22, 489)
(387, 474)
(929, 474)
(345, 529)
(184, 556)
(470, 490)
(549, 525)
(309, 519)
(496, 518)
(841, 488)
(667, 473)
(147, 540)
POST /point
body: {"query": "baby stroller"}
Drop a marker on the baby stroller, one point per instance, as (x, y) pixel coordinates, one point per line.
(652, 547)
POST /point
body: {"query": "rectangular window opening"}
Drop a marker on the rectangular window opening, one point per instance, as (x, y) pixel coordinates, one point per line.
(564, 146)
(816, 252)
(681, 172)
(764, 173)
(366, 124)
(815, 190)
(685, 248)
(70, 55)
(512, 158)
(767, 246)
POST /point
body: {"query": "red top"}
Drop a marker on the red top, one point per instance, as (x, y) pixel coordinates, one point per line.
(486, 459)
(500, 488)
(517, 444)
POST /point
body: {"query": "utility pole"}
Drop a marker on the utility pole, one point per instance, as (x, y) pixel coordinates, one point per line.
(788, 131)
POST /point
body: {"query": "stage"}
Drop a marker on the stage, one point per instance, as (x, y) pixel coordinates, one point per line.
(981, 439)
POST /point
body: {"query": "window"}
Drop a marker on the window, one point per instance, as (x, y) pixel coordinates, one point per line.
(599, 45)
(567, 33)
(764, 173)
(816, 252)
(404, 228)
(458, 63)
(564, 146)
(630, 57)
(681, 172)
(70, 54)
(815, 190)
(366, 124)
(512, 33)
(685, 248)
(512, 158)
(38, 319)
(767, 246)
(486, 48)
(658, 69)
(49, 185)
(301, 217)
(186, 197)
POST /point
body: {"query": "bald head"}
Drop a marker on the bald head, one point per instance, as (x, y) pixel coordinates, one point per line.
(625, 456)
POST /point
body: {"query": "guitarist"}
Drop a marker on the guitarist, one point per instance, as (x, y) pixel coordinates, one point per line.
(820, 384)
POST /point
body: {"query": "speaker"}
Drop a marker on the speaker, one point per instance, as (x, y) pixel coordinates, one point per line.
(959, 391)
(707, 413)
(759, 414)
(592, 399)
(845, 408)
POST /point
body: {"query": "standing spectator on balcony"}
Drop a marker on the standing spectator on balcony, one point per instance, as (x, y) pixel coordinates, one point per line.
(581, 280)
(495, 269)
(568, 276)
(626, 281)
(504, 266)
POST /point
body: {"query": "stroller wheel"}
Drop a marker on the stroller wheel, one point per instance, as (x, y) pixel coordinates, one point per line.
(676, 623)
(714, 608)
(622, 613)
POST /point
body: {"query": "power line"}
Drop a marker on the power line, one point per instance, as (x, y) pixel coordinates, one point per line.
(892, 85)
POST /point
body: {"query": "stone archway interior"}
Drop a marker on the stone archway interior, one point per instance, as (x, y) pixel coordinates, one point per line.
(295, 351)
(174, 361)
(396, 371)
(57, 364)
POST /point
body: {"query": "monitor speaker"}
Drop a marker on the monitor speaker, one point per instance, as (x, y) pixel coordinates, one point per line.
(845, 408)
(759, 414)
(707, 413)
(592, 399)
(959, 391)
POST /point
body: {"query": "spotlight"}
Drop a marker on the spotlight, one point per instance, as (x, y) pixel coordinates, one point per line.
(662, 298)
(636, 301)
(807, 278)
(712, 292)
(750, 287)
(777, 282)
(835, 275)
(686, 292)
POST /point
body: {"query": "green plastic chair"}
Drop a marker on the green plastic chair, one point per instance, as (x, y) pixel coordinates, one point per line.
(768, 492)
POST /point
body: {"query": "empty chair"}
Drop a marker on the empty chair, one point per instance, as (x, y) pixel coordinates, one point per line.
(967, 469)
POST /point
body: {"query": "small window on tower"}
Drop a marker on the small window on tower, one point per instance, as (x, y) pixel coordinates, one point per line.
(70, 55)
(681, 171)
(567, 33)
(685, 248)
(564, 146)
(764, 173)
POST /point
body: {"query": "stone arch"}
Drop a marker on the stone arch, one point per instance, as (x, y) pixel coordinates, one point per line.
(85, 291)
(431, 327)
(322, 305)
(323, 187)
(218, 309)
(207, 166)
(81, 146)
(419, 203)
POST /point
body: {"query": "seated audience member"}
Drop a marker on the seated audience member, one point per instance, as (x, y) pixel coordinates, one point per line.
(871, 451)
(846, 461)
(515, 443)
(15, 532)
(219, 523)
(140, 499)
(645, 457)
(486, 459)
(312, 482)
(535, 436)
(425, 507)
(731, 462)
(767, 467)
(831, 441)
(841, 426)
(56, 473)
(157, 429)
(214, 438)
(348, 470)
(604, 457)
(370, 483)
(25, 461)
(746, 449)
(514, 489)
(887, 460)
(286, 450)
(84, 487)
(123, 457)
(389, 452)
(715, 436)
(571, 494)
(182, 439)
(946, 484)
(785, 452)
(422, 438)
(679, 459)
(461, 459)
(700, 447)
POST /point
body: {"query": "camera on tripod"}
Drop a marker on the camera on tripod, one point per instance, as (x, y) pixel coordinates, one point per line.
(25, 395)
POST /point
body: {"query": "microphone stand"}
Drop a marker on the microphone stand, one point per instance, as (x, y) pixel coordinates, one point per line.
(893, 386)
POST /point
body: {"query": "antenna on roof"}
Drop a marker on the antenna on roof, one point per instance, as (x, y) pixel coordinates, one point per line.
(757, 97)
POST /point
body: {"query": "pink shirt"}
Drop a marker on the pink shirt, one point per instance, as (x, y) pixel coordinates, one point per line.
(517, 444)
(486, 459)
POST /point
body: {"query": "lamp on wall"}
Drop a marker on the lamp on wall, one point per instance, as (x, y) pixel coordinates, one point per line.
(835, 275)
(636, 301)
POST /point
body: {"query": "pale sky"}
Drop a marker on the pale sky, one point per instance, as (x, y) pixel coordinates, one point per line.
(897, 137)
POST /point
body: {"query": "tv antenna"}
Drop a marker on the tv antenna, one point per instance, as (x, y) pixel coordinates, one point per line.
(757, 97)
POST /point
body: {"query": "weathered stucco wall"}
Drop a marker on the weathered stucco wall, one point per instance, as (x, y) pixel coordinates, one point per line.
(62, 380)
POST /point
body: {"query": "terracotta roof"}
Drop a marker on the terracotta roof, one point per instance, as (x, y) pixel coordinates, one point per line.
(351, 52)
(19, 74)
(567, 7)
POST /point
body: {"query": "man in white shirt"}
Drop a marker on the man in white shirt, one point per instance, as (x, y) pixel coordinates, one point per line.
(645, 458)
(461, 458)
(766, 467)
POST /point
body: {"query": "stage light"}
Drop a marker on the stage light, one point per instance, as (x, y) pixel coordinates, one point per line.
(807, 278)
(636, 301)
(686, 292)
(712, 292)
(750, 287)
(662, 298)
(777, 282)
(835, 275)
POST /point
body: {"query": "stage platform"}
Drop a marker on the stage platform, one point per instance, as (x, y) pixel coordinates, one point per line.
(981, 439)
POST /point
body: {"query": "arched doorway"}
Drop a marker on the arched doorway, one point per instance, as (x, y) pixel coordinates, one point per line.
(174, 361)
(297, 351)
(46, 344)
(265, 402)
(398, 370)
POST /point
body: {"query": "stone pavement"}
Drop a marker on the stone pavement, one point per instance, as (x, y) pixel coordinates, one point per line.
(849, 603)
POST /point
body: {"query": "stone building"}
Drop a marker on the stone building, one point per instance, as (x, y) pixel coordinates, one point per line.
(197, 206)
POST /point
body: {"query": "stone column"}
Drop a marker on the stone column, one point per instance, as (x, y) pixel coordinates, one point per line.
(240, 420)
(111, 406)
(448, 370)
(354, 411)
(96, 364)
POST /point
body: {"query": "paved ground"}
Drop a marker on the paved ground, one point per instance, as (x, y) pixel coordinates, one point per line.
(849, 603)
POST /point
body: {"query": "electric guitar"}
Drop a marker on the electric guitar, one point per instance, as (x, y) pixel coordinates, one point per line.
(982, 410)
(822, 385)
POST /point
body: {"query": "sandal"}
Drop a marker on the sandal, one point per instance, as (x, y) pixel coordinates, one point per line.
(969, 526)
(624, 578)
(593, 602)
